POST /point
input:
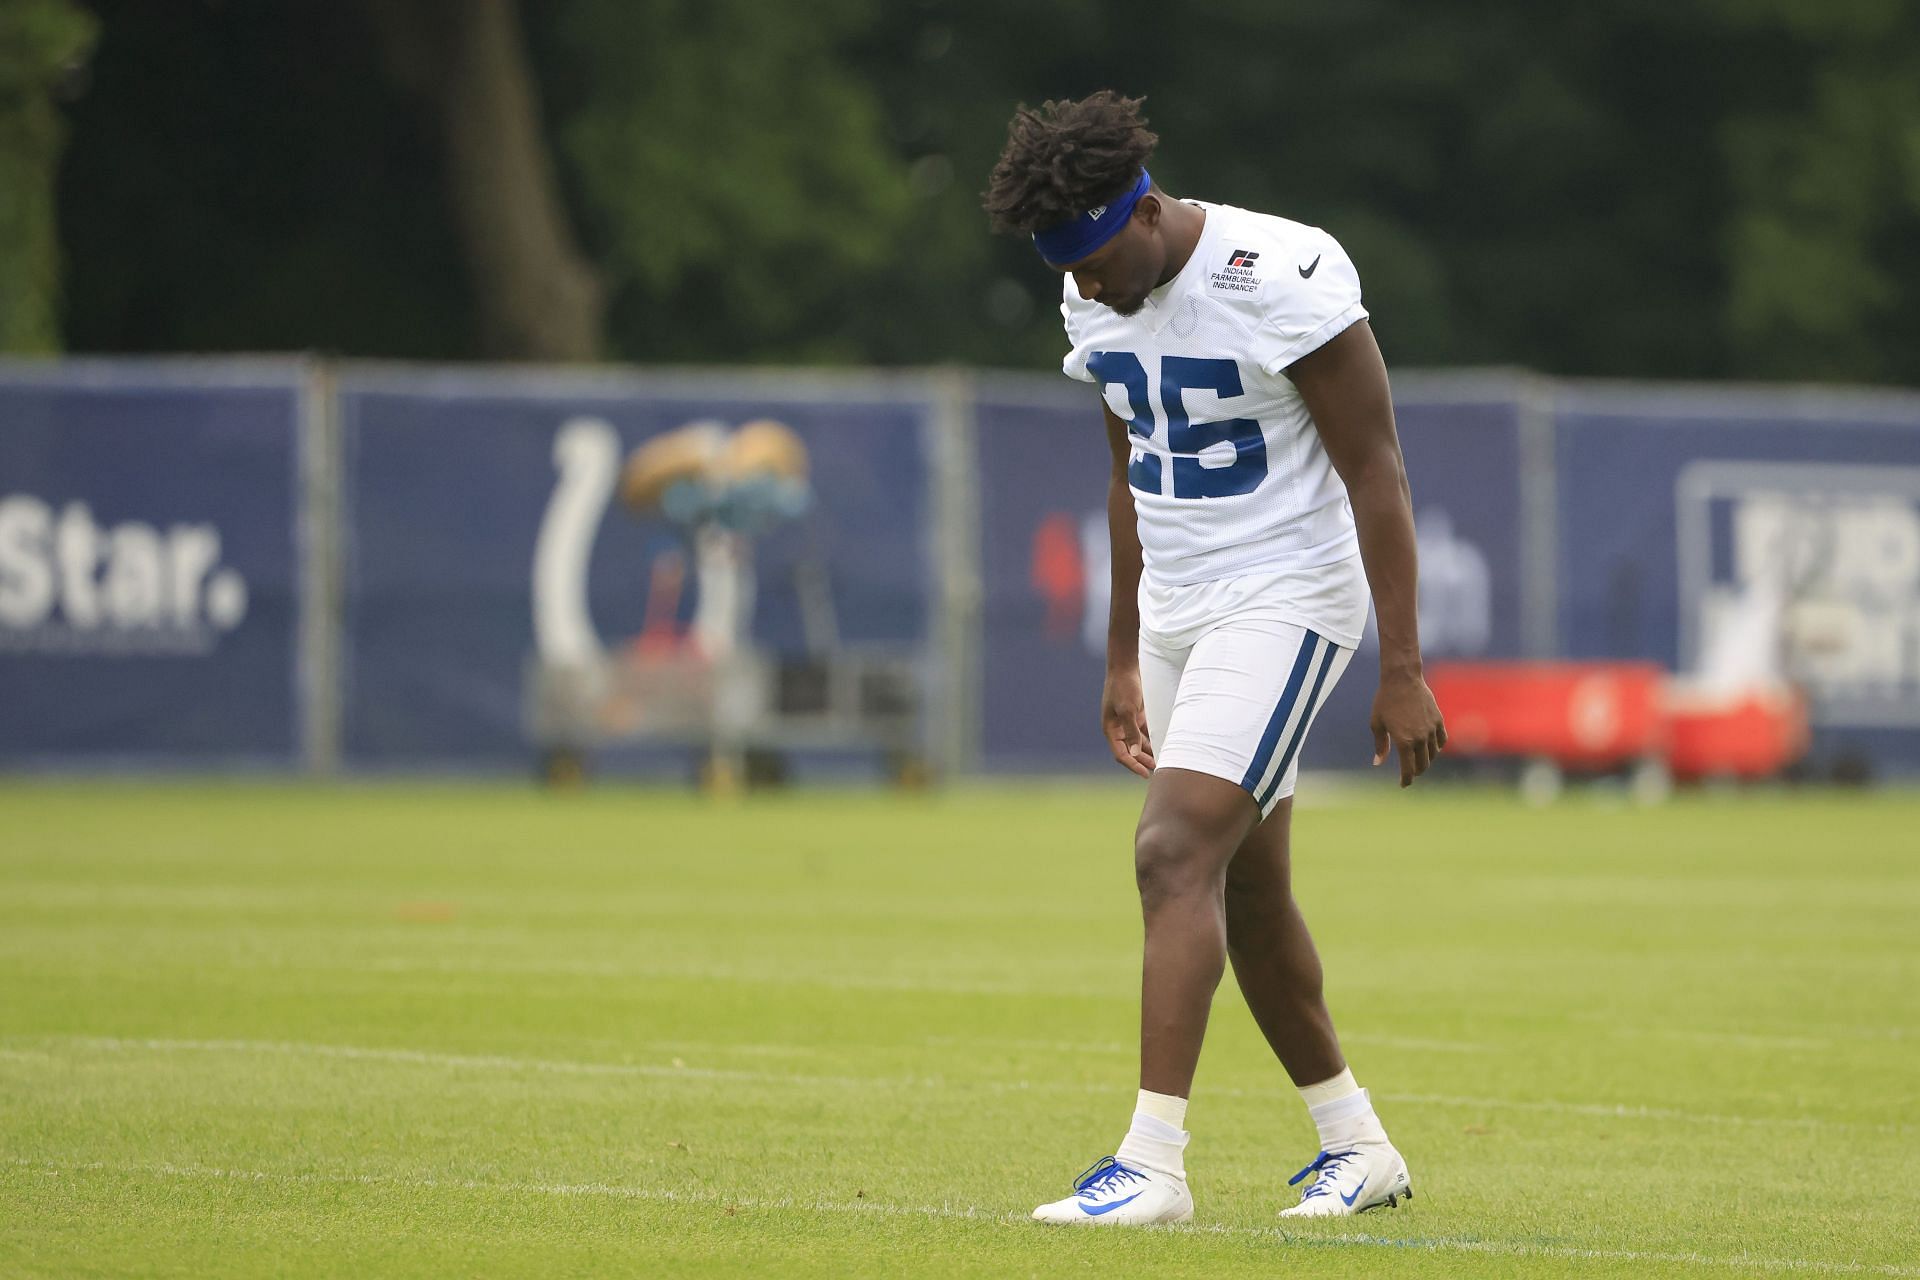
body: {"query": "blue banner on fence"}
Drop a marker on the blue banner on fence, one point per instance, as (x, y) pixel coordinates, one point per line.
(1697, 522)
(1464, 467)
(148, 589)
(1045, 565)
(1044, 562)
(149, 579)
(485, 535)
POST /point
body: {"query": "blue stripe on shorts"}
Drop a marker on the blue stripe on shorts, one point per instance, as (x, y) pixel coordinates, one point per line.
(1263, 754)
(1299, 733)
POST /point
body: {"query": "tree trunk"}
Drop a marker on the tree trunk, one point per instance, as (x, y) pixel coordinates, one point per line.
(38, 40)
(467, 61)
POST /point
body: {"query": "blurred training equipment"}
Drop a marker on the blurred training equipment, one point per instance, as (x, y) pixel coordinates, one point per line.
(706, 684)
(1597, 717)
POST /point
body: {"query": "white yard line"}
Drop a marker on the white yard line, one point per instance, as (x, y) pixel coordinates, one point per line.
(475, 1061)
(1075, 1047)
(1762, 1043)
(681, 1071)
(498, 910)
(1630, 1111)
(709, 973)
(1418, 1044)
(1757, 1038)
(732, 1203)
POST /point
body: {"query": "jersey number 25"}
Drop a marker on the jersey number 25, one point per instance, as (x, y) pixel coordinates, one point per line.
(1185, 439)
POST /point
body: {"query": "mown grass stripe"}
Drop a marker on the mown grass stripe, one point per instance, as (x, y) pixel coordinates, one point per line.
(972, 1213)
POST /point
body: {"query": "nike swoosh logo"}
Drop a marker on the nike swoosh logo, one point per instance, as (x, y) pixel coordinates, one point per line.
(1310, 267)
(1348, 1200)
(1108, 1208)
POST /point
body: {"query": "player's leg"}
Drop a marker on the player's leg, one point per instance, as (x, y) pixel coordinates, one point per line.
(1227, 718)
(1246, 690)
(1189, 828)
(1273, 955)
(1280, 975)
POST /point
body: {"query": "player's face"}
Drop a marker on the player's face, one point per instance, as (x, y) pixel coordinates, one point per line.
(1124, 270)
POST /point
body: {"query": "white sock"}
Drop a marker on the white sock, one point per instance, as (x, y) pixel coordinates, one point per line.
(1341, 1086)
(1156, 1140)
(1343, 1112)
(1164, 1107)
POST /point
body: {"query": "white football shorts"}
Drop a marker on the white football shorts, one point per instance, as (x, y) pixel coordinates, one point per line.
(1236, 696)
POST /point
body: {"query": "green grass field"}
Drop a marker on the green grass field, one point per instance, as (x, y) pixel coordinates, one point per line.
(264, 1030)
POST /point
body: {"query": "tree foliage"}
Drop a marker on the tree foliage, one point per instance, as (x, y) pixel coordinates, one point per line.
(1580, 189)
(733, 170)
(1677, 188)
(1823, 248)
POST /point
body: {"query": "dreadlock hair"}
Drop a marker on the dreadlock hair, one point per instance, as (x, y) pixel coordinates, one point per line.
(1065, 158)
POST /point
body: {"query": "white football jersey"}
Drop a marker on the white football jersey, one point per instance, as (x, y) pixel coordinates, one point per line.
(1228, 473)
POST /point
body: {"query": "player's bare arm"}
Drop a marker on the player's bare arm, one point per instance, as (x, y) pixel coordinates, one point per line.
(1123, 707)
(1344, 384)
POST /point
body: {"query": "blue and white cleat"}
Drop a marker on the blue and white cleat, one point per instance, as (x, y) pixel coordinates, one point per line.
(1362, 1177)
(1111, 1194)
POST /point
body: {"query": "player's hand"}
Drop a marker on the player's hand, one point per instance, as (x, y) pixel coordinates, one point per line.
(1123, 720)
(1406, 716)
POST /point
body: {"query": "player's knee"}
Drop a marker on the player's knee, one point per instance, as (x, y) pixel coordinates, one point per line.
(1170, 863)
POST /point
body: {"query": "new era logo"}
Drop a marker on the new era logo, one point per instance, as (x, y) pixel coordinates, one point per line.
(1096, 211)
(1242, 258)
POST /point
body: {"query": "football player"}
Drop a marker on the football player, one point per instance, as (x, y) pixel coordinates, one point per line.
(1257, 497)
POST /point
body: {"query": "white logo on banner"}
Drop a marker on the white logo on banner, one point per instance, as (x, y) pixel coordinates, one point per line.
(1456, 589)
(586, 452)
(69, 584)
(1807, 572)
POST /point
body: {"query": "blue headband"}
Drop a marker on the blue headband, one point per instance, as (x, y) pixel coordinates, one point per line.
(1072, 241)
